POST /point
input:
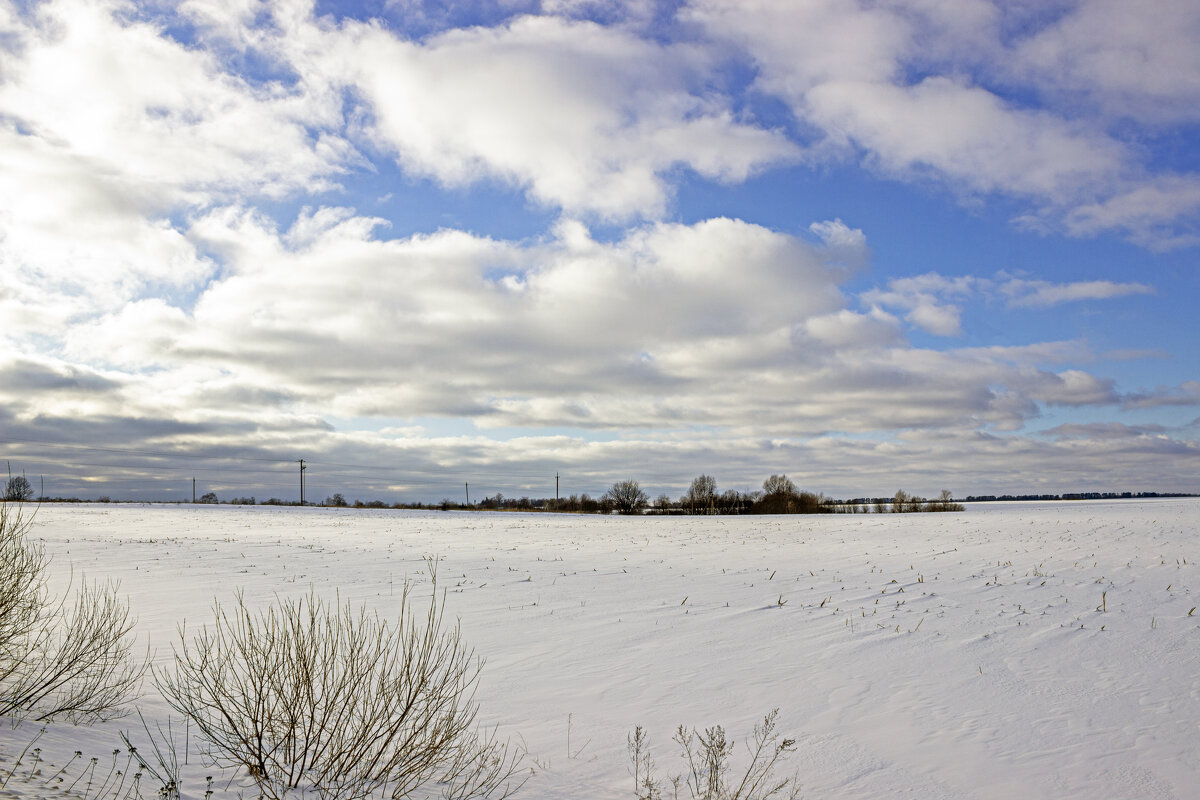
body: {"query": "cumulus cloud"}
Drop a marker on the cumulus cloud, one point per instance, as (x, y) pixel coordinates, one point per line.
(923, 298)
(493, 326)
(843, 245)
(719, 324)
(158, 119)
(847, 330)
(931, 90)
(967, 135)
(584, 117)
(108, 130)
(1125, 62)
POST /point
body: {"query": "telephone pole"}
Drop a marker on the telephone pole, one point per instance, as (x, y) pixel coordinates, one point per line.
(193, 491)
(467, 489)
(302, 468)
(556, 489)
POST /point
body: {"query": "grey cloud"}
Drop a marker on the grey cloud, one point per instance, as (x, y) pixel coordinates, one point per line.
(22, 377)
(1103, 430)
(1186, 394)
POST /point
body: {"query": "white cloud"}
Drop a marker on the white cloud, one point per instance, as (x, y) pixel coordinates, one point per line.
(844, 246)
(1042, 353)
(108, 129)
(966, 135)
(1042, 294)
(163, 122)
(926, 89)
(722, 324)
(1071, 387)
(926, 299)
(585, 118)
(1125, 59)
(942, 320)
(1155, 214)
(923, 298)
(805, 44)
(846, 330)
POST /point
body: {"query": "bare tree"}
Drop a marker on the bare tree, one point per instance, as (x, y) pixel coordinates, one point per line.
(340, 701)
(59, 658)
(627, 497)
(18, 489)
(779, 485)
(702, 494)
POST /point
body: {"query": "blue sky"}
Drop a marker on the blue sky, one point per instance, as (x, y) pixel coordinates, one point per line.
(874, 245)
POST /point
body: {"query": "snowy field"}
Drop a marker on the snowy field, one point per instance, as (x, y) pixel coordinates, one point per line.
(960, 655)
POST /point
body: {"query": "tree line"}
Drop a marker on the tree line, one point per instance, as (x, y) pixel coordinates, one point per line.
(779, 495)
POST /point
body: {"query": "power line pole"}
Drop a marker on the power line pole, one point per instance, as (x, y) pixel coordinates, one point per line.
(556, 488)
(302, 468)
(193, 491)
(467, 489)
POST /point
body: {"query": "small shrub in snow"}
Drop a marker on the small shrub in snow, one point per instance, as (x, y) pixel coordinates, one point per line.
(57, 658)
(709, 774)
(309, 697)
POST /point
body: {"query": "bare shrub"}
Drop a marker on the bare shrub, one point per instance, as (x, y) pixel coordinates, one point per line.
(944, 502)
(308, 696)
(645, 787)
(162, 764)
(58, 658)
(781, 496)
(709, 774)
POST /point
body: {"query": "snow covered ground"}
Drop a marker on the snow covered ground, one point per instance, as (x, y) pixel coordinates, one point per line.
(956, 655)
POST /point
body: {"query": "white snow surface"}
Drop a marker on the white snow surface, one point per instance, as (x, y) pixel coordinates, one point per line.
(957, 655)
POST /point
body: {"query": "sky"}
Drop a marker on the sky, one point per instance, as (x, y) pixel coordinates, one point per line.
(432, 248)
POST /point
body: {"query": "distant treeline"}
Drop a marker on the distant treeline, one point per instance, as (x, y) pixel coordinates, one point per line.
(779, 495)
(988, 498)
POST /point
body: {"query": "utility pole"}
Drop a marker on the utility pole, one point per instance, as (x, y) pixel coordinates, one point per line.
(193, 491)
(467, 489)
(302, 468)
(556, 489)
